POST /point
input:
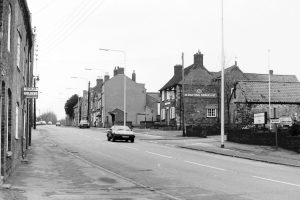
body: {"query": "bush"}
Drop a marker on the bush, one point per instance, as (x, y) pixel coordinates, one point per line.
(295, 129)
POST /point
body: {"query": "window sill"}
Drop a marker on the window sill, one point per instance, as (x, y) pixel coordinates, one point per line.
(8, 154)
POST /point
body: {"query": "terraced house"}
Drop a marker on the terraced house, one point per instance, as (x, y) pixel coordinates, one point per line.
(16, 64)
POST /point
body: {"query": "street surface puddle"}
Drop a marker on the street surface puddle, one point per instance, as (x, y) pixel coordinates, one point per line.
(107, 180)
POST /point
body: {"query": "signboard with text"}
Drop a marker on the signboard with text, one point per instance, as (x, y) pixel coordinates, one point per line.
(30, 92)
(201, 93)
(260, 118)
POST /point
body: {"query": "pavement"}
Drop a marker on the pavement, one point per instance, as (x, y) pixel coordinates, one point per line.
(212, 144)
(52, 172)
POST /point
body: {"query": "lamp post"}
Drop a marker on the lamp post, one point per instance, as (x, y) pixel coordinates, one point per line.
(88, 100)
(222, 77)
(124, 55)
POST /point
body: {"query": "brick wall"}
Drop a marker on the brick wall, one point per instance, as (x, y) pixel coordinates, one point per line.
(196, 107)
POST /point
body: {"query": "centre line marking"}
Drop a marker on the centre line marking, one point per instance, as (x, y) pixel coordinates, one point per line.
(266, 179)
(159, 154)
(208, 166)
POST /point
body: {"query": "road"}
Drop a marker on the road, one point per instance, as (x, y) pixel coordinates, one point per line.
(176, 173)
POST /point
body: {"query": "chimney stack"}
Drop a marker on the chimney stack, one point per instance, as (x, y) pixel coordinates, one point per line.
(106, 77)
(133, 77)
(178, 71)
(99, 81)
(198, 59)
(115, 71)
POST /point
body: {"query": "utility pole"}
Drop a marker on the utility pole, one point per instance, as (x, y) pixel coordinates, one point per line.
(182, 97)
(88, 106)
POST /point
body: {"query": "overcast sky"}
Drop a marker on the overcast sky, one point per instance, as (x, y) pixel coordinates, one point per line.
(154, 33)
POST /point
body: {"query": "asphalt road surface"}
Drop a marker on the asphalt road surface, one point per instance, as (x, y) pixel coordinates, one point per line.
(176, 173)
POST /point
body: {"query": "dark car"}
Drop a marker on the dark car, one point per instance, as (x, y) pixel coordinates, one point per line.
(120, 133)
(57, 124)
(84, 124)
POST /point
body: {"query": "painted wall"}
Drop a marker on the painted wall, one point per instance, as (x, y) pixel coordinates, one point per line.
(113, 97)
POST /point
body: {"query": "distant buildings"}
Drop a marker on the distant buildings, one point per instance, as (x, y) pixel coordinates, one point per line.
(16, 72)
(107, 102)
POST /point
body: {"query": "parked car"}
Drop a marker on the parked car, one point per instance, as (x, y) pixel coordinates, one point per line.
(49, 123)
(84, 124)
(120, 133)
(57, 124)
(285, 122)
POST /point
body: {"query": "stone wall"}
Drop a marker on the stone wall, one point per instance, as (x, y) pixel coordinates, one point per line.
(243, 113)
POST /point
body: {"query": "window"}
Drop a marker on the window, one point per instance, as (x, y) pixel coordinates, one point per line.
(211, 112)
(19, 51)
(163, 114)
(158, 108)
(162, 95)
(8, 27)
(172, 95)
(17, 121)
(172, 112)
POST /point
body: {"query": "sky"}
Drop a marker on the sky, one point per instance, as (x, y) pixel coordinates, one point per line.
(154, 34)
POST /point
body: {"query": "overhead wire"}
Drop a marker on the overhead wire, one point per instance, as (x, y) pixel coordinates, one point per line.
(79, 20)
(68, 21)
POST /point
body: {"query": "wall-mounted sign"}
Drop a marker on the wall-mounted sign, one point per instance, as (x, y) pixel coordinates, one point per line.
(30, 92)
(205, 95)
(260, 118)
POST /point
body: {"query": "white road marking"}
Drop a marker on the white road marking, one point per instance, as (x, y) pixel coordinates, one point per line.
(130, 147)
(158, 154)
(276, 181)
(208, 166)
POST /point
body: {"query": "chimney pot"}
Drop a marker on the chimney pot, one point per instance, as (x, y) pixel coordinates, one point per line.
(133, 76)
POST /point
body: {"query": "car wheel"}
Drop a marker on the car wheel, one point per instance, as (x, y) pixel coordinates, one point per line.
(108, 138)
(113, 139)
(132, 140)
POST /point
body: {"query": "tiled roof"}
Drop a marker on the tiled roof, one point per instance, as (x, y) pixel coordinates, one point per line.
(258, 92)
(176, 79)
(274, 77)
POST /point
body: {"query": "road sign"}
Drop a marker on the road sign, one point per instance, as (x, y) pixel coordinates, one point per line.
(30, 92)
(275, 121)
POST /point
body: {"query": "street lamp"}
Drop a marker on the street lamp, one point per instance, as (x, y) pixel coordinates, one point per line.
(88, 106)
(124, 55)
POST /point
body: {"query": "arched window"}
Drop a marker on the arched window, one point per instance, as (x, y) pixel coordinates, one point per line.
(8, 27)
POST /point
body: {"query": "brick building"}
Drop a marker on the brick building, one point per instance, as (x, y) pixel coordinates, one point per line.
(200, 97)
(201, 101)
(251, 97)
(16, 72)
(95, 103)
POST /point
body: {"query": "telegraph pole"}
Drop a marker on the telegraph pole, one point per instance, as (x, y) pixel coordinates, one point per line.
(88, 106)
(183, 121)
